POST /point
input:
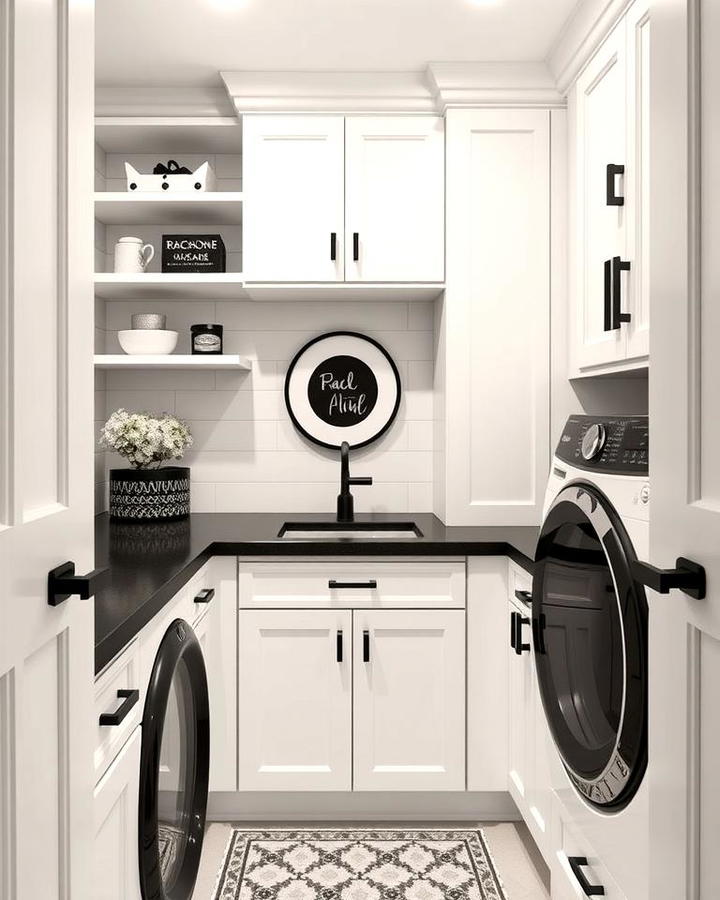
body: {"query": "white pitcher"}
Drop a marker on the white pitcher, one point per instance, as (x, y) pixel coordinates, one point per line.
(132, 256)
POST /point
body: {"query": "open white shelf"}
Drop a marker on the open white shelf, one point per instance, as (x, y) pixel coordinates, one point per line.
(376, 292)
(171, 361)
(156, 285)
(166, 208)
(170, 134)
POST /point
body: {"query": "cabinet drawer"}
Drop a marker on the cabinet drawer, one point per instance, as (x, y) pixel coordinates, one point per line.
(569, 871)
(520, 583)
(359, 584)
(122, 675)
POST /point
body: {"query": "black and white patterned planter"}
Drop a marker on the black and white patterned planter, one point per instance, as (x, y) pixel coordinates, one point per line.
(149, 495)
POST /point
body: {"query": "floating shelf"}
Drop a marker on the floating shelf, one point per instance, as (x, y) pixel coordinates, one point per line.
(160, 208)
(154, 285)
(170, 134)
(375, 291)
(171, 361)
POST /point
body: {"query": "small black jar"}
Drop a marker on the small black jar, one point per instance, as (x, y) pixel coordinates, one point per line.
(207, 339)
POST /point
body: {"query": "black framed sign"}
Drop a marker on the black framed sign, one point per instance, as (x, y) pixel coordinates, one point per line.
(342, 386)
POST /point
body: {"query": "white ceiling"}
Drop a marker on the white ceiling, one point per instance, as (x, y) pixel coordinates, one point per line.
(186, 42)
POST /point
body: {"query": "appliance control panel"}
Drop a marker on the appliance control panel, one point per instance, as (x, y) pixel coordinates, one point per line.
(617, 445)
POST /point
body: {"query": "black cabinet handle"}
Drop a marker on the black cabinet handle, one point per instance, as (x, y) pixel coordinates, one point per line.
(607, 317)
(356, 246)
(513, 630)
(339, 585)
(115, 718)
(524, 597)
(687, 576)
(205, 595)
(613, 199)
(339, 646)
(63, 583)
(590, 890)
(516, 642)
(333, 245)
(366, 646)
(619, 266)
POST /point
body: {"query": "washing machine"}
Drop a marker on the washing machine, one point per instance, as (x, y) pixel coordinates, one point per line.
(590, 638)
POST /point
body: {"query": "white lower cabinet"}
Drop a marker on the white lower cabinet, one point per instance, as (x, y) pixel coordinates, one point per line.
(576, 873)
(409, 700)
(294, 686)
(115, 856)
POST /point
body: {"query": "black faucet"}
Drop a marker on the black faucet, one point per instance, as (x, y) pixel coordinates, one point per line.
(345, 511)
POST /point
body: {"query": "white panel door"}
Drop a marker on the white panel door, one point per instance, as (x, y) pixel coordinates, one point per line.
(295, 700)
(520, 714)
(409, 700)
(115, 849)
(46, 424)
(684, 662)
(600, 116)
(395, 198)
(293, 184)
(497, 316)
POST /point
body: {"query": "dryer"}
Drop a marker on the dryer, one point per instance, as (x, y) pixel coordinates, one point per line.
(590, 637)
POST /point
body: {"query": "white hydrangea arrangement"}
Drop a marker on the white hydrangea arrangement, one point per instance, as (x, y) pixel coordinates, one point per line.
(144, 439)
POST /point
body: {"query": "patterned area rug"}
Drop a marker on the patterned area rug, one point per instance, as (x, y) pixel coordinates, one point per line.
(358, 865)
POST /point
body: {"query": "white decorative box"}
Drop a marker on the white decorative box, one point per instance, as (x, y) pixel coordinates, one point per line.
(171, 177)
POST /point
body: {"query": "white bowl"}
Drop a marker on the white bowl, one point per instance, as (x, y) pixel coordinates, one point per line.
(148, 341)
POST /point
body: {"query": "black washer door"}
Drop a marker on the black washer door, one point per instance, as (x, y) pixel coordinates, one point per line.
(590, 628)
(174, 768)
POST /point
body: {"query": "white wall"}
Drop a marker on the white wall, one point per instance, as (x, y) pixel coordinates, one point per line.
(247, 456)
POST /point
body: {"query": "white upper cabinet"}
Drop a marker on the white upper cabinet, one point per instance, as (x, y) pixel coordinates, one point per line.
(357, 199)
(395, 198)
(609, 206)
(294, 198)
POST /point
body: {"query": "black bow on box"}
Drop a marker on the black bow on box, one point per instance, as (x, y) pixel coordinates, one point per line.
(172, 168)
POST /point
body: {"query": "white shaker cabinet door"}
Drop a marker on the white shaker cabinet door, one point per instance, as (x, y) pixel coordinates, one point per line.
(409, 700)
(395, 198)
(295, 700)
(115, 851)
(293, 184)
(599, 228)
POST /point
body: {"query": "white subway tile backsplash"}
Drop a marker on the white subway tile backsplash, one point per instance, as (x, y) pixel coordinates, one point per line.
(420, 497)
(155, 402)
(307, 498)
(308, 316)
(202, 497)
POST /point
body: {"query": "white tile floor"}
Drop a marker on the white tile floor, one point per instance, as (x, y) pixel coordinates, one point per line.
(518, 861)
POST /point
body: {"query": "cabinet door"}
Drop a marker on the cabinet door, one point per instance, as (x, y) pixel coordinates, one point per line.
(409, 700)
(293, 176)
(637, 178)
(216, 632)
(294, 686)
(115, 856)
(520, 710)
(395, 198)
(600, 115)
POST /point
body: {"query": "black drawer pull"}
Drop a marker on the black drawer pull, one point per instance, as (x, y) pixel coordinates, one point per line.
(339, 646)
(339, 585)
(333, 245)
(516, 623)
(619, 266)
(590, 890)
(366, 646)
(115, 718)
(356, 246)
(205, 595)
(524, 597)
(607, 298)
(611, 198)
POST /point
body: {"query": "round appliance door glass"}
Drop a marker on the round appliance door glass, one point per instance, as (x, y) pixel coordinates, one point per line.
(174, 768)
(590, 639)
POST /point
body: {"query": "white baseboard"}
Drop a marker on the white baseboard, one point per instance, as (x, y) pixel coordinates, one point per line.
(300, 806)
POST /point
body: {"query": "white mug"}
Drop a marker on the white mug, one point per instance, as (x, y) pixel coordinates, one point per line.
(131, 255)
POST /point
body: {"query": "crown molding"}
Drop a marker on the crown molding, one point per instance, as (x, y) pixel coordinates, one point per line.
(161, 101)
(589, 25)
(493, 84)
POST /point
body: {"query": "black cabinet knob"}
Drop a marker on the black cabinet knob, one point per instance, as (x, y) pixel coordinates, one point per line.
(63, 583)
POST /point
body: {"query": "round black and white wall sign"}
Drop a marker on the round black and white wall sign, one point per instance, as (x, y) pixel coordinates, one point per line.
(340, 387)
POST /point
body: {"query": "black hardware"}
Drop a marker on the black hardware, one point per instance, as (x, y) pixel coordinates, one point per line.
(513, 630)
(538, 631)
(63, 583)
(333, 245)
(687, 576)
(516, 623)
(115, 718)
(366, 646)
(524, 597)
(339, 646)
(619, 265)
(590, 890)
(607, 319)
(205, 595)
(612, 198)
(345, 502)
(341, 585)
(356, 246)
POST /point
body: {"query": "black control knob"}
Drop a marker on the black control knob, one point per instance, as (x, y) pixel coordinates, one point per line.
(593, 441)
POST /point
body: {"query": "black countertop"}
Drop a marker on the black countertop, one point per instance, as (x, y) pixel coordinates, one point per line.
(150, 563)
